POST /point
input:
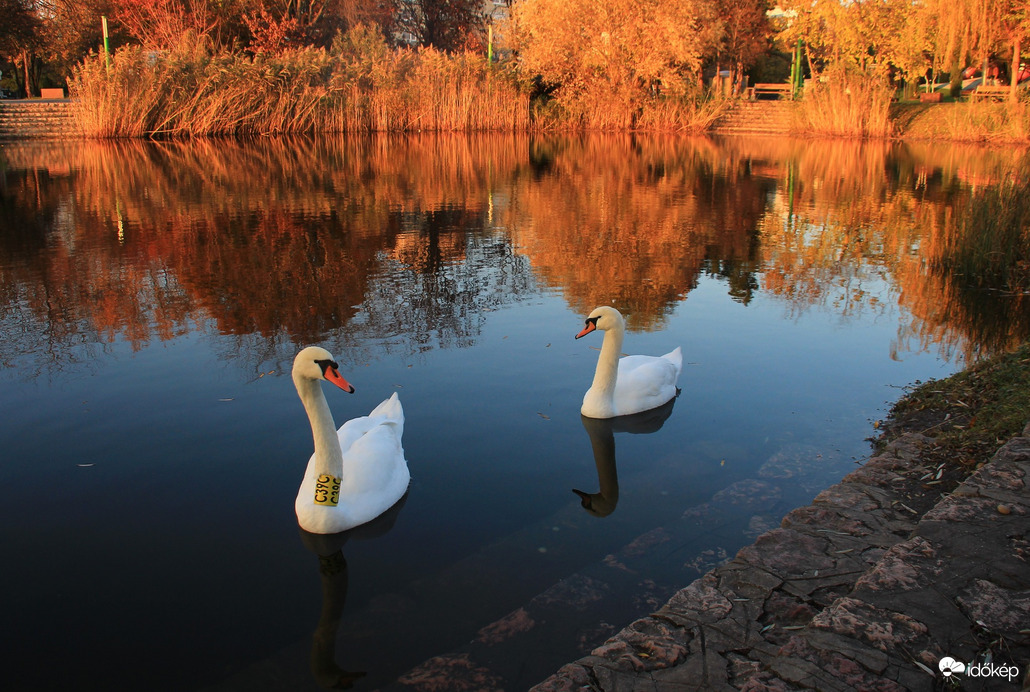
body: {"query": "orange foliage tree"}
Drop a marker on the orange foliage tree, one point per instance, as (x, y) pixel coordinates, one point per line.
(604, 57)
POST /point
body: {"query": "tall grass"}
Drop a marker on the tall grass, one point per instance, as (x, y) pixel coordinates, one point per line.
(846, 104)
(971, 121)
(359, 85)
(600, 109)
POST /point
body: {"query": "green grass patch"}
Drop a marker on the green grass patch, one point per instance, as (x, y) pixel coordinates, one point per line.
(971, 413)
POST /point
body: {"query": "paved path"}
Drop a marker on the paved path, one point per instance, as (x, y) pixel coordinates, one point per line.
(867, 588)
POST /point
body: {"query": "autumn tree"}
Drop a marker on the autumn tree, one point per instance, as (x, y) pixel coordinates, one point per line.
(609, 55)
(915, 37)
(19, 35)
(71, 29)
(443, 24)
(1014, 26)
(845, 35)
(160, 24)
(746, 36)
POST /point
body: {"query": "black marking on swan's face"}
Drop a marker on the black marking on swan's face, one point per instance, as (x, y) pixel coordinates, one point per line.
(588, 326)
(325, 364)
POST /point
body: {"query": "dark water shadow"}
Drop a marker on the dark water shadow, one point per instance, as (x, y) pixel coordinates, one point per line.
(602, 442)
(334, 573)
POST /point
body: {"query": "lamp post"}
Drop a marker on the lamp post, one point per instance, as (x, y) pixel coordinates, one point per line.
(107, 49)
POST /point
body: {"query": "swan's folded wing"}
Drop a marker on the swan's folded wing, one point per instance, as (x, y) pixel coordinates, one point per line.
(375, 463)
(389, 411)
(645, 381)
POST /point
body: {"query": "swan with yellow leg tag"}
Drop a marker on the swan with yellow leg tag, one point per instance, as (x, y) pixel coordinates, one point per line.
(357, 472)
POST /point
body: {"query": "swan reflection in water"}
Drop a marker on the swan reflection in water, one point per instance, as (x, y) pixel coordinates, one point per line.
(602, 441)
(332, 567)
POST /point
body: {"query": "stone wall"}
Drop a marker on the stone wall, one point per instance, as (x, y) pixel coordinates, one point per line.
(38, 119)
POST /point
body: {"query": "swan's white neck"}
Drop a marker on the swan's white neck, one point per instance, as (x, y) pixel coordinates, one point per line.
(602, 390)
(328, 454)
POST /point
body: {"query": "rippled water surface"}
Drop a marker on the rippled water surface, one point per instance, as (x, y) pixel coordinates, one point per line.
(153, 295)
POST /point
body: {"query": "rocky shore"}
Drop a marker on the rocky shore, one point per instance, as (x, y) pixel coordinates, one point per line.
(871, 587)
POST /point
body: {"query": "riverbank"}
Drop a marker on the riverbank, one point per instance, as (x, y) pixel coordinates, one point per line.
(987, 122)
(922, 554)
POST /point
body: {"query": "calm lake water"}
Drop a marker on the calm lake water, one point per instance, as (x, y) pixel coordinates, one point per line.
(153, 295)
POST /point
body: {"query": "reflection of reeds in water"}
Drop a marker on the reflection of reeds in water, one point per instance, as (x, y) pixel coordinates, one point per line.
(985, 261)
(991, 245)
(274, 237)
(847, 228)
(293, 238)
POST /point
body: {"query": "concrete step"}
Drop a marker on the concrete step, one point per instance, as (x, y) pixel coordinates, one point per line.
(749, 117)
(37, 118)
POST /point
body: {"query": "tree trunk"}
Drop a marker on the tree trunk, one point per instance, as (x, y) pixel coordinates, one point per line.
(956, 78)
(1014, 69)
(25, 65)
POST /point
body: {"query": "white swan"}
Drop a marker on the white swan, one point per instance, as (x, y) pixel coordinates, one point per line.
(631, 384)
(357, 472)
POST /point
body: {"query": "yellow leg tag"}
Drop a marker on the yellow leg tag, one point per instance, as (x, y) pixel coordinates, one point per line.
(327, 490)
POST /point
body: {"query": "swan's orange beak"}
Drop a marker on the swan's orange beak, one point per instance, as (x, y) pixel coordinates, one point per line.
(333, 375)
(591, 325)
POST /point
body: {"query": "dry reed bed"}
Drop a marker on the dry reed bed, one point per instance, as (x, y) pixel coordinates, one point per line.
(360, 85)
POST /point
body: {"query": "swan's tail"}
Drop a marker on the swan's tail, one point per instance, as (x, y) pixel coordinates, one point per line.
(389, 409)
(675, 357)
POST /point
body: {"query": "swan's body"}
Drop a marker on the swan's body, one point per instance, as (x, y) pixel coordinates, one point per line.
(365, 454)
(623, 386)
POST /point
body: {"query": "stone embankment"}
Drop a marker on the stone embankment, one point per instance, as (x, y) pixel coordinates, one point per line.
(870, 587)
(754, 117)
(38, 119)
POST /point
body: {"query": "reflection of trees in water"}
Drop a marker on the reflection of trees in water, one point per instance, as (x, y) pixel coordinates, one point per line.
(633, 221)
(409, 241)
(859, 227)
(447, 306)
(280, 239)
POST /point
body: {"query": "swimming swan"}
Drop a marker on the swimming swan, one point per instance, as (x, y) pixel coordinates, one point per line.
(627, 385)
(357, 472)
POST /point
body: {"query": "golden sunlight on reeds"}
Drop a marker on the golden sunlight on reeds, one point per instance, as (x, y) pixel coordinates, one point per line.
(973, 121)
(361, 85)
(847, 105)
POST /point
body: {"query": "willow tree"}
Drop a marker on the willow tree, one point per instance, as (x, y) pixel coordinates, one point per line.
(1014, 24)
(843, 35)
(604, 58)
